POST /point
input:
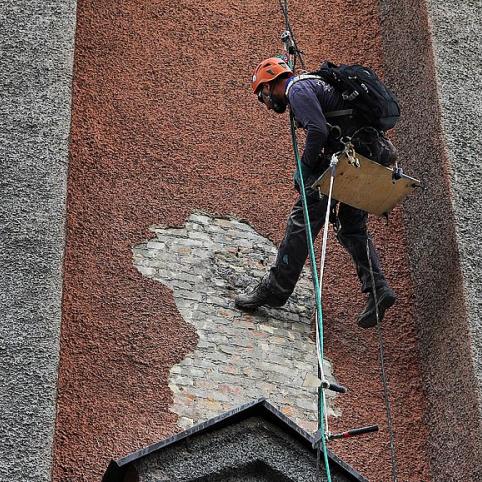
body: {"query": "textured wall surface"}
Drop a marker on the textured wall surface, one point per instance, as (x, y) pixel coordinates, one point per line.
(164, 124)
(35, 79)
(239, 357)
(457, 34)
(441, 252)
(253, 450)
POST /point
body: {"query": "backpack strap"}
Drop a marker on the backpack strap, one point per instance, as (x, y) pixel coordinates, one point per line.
(339, 113)
(296, 79)
(328, 115)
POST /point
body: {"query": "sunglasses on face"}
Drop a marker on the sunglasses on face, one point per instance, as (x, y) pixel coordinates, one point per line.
(262, 97)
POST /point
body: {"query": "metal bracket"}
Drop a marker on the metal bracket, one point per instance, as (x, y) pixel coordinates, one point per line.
(351, 155)
(288, 42)
(353, 433)
(333, 387)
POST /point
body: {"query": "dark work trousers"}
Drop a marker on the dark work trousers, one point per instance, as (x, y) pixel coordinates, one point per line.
(352, 234)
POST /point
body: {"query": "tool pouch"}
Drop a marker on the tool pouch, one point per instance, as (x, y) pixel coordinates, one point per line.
(372, 143)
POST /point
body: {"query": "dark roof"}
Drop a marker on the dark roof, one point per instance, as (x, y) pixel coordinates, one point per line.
(259, 408)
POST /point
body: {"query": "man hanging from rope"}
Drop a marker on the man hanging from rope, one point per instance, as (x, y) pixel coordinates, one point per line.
(312, 100)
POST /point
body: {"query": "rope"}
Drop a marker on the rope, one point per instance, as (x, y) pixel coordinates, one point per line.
(386, 391)
(297, 53)
(322, 417)
(319, 313)
(293, 54)
(333, 163)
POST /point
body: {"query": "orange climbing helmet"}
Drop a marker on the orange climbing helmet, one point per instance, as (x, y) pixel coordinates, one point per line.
(267, 71)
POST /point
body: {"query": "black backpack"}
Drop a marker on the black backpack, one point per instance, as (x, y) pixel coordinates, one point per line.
(366, 93)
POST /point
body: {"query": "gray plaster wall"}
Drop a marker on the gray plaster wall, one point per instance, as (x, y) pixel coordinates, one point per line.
(435, 146)
(457, 40)
(36, 45)
(251, 450)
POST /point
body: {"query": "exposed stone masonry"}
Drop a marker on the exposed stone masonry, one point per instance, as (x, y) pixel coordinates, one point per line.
(239, 357)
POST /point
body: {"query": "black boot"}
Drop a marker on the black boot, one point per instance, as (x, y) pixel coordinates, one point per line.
(260, 295)
(385, 298)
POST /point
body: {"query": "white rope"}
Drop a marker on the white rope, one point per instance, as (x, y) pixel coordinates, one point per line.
(333, 163)
(322, 376)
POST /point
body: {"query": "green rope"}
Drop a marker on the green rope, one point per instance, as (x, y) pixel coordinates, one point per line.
(309, 236)
(316, 286)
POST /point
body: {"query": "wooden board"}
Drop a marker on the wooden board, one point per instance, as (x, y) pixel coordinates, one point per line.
(369, 186)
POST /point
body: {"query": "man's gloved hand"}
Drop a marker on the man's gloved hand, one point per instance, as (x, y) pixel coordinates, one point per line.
(309, 177)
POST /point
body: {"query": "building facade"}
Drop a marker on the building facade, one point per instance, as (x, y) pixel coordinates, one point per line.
(143, 185)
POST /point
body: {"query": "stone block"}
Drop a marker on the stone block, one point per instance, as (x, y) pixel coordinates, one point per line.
(311, 381)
